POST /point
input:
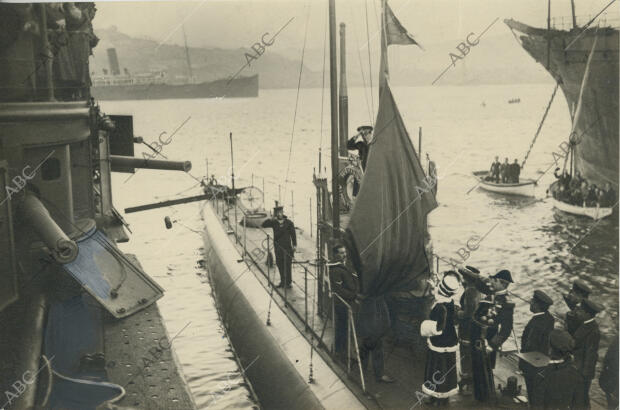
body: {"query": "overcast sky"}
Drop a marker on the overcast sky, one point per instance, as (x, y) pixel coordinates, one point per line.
(233, 24)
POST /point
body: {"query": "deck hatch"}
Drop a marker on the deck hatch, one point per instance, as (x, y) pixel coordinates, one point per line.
(107, 274)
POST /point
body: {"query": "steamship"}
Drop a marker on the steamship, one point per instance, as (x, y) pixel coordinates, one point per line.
(157, 85)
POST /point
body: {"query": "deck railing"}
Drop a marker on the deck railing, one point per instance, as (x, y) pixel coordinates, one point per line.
(238, 217)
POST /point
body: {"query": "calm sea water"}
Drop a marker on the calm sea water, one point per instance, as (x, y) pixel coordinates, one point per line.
(463, 129)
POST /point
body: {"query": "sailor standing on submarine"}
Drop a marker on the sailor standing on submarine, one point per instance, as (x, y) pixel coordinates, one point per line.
(284, 243)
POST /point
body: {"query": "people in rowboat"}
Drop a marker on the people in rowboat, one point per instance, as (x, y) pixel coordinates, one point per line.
(505, 171)
(515, 171)
(360, 143)
(609, 197)
(494, 172)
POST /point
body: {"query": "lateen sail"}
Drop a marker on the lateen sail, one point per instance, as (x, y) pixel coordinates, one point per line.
(387, 225)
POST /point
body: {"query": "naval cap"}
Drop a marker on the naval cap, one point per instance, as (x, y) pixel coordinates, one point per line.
(591, 306)
(581, 286)
(542, 297)
(561, 340)
(503, 274)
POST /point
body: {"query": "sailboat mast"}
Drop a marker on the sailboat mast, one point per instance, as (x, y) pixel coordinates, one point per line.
(333, 86)
(189, 63)
(344, 98)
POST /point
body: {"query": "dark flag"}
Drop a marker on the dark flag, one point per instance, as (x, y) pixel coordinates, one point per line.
(392, 33)
(386, 230)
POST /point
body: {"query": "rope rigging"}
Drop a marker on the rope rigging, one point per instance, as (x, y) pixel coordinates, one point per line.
(301, 68)
(540, 125)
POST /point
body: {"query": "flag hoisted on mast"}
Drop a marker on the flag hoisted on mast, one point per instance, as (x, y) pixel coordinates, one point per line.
(388, 222)
(392, 33)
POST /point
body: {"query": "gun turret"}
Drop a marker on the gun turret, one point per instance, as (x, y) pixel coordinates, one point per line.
(133, 162)
(36, 215)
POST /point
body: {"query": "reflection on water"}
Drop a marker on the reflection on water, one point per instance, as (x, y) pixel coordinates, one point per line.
(542, 247)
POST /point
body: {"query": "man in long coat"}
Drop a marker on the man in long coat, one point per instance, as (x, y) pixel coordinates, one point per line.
(469, 303)
(587, 339)
(492, 325)
(559, 385)
(536, 336)
(344, 283)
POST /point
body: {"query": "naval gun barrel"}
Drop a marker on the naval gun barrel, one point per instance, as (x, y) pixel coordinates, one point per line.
(133, 162)
(38, 217)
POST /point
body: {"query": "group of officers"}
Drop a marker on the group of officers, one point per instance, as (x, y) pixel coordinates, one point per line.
(576, 190)
(505, 172)
(474, 315)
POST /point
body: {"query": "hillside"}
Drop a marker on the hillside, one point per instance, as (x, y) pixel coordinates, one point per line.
(496, 60)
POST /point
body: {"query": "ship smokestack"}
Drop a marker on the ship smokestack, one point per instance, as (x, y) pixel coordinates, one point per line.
(113, 60)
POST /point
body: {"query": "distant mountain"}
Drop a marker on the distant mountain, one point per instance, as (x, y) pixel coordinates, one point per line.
(495, 60)
(140, 55)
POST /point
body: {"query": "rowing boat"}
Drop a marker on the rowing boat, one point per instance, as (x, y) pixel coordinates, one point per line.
(524, 188)
(589, 211)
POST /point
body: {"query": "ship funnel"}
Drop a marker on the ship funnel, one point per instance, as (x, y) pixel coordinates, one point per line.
(113, 60)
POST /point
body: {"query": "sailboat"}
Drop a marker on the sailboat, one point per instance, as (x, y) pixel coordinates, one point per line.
(569, 55)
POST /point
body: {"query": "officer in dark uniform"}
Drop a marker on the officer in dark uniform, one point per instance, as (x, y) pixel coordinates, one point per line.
(536, 336)
(575, 316)
(492, 325)
(559, 385)
(345, 284)
(499, 333)
(360, 143)
(587, 339)
(609, 375)
(468, 304)
(284, 244)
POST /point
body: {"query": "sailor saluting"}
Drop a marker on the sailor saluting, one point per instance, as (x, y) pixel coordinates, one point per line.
(284, 243)
(360, 143)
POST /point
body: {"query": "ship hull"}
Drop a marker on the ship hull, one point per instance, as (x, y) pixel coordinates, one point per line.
(243, 87)
(596, 151)
(275, 357)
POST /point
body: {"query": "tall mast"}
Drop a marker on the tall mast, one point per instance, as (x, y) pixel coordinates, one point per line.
(333, 86)
(189, 63)
(572, 7)
(344, 98)
(548, 33)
